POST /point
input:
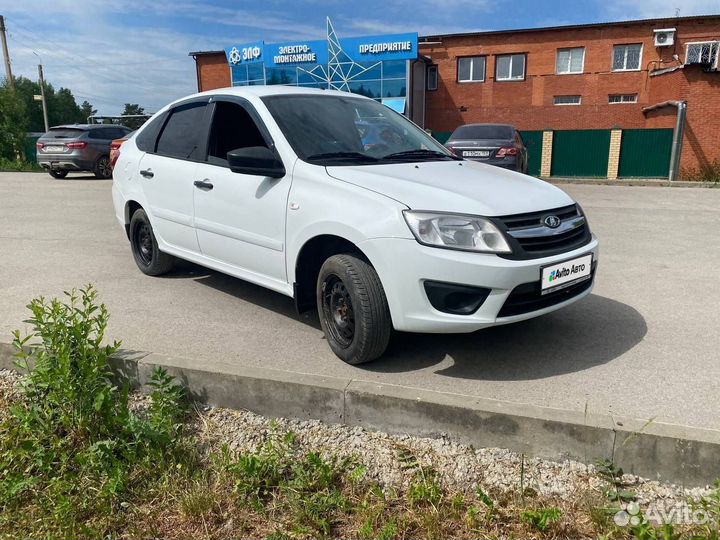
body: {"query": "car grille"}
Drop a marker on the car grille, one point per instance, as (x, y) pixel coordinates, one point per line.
(527, 297)
(530, 238)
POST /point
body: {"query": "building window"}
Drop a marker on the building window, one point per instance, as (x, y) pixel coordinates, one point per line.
(432, 78)
(622, 98)
(570, 60)
(704, 53)
(627, 57)
(471, 69)
(567, 100)
(510, 67)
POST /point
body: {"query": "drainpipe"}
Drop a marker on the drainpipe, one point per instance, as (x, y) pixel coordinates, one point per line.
(678, 140)
(678, 133)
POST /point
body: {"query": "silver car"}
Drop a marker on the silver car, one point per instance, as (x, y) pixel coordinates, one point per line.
(78, 147)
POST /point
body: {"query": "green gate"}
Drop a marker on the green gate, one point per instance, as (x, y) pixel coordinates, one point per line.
(581, 153)
(645, 153)
(441, 136)
(533, 143)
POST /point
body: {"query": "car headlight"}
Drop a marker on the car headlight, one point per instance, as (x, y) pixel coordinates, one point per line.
(456, 231)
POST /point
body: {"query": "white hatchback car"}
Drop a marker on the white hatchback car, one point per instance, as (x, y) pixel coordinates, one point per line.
(343, 204)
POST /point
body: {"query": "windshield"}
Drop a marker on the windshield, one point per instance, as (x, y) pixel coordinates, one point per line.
(474, 132)
(339, 130)
(63, 133)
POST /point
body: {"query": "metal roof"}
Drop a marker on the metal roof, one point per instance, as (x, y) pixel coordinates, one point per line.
(431, 37)
(205, 53)
(666, 20)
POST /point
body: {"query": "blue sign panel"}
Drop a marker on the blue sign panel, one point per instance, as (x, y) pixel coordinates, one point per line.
(381, 48)
(298, 53)
(245, 54)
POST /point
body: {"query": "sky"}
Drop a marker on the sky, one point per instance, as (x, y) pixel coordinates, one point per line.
(112, 52)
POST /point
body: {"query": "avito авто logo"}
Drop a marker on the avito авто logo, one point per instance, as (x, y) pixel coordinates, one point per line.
(564, 272)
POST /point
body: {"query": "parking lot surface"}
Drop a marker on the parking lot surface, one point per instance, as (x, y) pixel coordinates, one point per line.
(643, 345)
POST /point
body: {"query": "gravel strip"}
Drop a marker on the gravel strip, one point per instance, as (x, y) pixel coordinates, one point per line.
(461, 468)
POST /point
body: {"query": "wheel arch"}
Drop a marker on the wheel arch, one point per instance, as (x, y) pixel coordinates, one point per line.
(131, 206)
(310, 258)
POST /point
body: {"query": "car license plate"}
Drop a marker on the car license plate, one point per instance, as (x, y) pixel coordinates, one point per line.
(54, 148)
(563, 274)
(476, 153)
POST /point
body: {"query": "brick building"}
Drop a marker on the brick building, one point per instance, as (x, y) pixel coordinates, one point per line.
(588, 77)
(590, 100)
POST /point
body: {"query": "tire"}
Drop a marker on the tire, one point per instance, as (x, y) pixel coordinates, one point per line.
(149, 259)
(103, 169)
(353, 309)
(59, 175)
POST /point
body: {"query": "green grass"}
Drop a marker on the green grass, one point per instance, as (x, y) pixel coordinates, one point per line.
(76, 461)
(7, 165)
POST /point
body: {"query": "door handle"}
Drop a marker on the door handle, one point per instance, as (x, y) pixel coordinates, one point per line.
(147, 173)
(203, 184)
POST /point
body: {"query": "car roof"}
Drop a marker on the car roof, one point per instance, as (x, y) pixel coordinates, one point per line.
(271, 90)
(86, 127)
(487, 124)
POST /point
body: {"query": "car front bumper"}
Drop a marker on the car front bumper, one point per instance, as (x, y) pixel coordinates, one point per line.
(404, 274)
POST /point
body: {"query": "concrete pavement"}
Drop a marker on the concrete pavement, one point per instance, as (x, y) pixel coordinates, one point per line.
(643, 345)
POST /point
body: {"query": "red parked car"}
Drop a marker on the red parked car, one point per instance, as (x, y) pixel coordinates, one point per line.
(115, 148)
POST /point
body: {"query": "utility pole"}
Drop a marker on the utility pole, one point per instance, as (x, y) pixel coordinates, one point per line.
(42, 94)
(6, 53)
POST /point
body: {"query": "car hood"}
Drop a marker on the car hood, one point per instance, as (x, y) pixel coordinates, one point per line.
(455, 186)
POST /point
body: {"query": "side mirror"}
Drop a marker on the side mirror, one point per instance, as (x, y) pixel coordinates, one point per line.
(256, 160)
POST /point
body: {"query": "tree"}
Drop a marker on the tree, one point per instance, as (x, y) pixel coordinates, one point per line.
(62, 108)
(133, 108)
(13, 123)
(86, 109)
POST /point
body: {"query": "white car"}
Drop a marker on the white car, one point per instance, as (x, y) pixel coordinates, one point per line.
(348, 207)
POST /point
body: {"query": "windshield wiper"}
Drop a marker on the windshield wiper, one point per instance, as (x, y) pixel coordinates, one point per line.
(420, 153)
(342, 156)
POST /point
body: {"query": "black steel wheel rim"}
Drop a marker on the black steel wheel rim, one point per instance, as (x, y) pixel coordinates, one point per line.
(104, 167)
(338, 311)
(144, 243)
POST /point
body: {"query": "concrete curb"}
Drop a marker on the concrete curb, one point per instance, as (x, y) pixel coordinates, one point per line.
(672, 453)
(643, 182)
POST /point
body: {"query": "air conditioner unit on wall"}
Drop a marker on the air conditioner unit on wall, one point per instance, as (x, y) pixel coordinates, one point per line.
(664, 37)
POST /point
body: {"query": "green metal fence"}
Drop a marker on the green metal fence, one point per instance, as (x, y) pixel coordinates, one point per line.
(533, 141)
(581, 153)
(645, 153)
(30, 149)
(441, 136)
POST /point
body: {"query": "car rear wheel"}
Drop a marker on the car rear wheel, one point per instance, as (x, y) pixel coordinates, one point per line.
(103, 169)
(353, 309)
(149, 259)
(58, 174)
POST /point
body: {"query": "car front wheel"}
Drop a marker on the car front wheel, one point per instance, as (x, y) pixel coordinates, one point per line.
(149, 259)
(353, 309)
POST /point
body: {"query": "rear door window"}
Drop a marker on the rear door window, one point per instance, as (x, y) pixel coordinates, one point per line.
(116, 133)
(181, 136)
(146, 140)
(100, 133)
